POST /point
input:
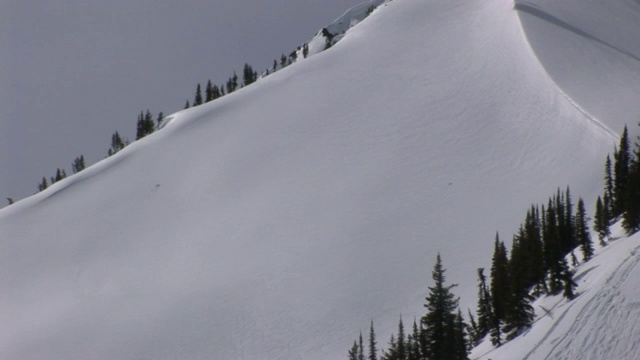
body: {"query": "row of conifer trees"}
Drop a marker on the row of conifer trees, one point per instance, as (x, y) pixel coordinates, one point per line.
(146, 125)
(541, 262)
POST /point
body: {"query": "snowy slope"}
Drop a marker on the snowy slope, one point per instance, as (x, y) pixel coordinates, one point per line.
(591, 50)
(276, 221)
(601, 323)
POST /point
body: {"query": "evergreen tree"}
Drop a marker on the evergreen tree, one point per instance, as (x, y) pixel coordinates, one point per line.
(535, 247)
(473, 331)
(139, 126)
(43, 184)
(208, 93)
(230, 85)
(373, 351)
(215, 92)
(499, 290)
(608, 191)
(570, 221)
(622, 159)
(484, 310)
(582, 232)
(460, 333)
(392, 350)
(249, 76)
(519, 313)
(631, 215)
(78, 164)
(186, 105)
(552, 252)
(401, 353)
(305, 50)
(601, 222)
(283, 61)
(60, 174)
(439, 321)
(360, 348)
(233, 82)
(116, 144)
(413, 343)
(568, 284)
(159, 119)
(197, 100)
(145, 125)
(353, 352)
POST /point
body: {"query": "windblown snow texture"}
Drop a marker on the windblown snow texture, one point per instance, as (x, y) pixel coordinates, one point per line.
(276, 222)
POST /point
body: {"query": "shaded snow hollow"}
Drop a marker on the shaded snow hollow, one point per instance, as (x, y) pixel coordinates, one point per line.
(276, 222)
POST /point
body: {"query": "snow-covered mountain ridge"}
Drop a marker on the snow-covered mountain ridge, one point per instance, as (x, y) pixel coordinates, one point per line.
(274, 222)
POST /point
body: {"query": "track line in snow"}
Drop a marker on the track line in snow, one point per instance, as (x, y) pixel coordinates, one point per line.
(598, 310)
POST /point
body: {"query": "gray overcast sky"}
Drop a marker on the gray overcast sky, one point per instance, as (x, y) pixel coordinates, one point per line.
(74, 71)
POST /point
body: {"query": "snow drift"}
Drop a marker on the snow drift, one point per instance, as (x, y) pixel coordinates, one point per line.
(275, 222)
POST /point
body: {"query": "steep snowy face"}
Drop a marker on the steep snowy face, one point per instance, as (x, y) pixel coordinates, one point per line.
(276, 221)
(591, 50)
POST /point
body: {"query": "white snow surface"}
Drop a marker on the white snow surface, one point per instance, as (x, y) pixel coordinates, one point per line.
(278, 221)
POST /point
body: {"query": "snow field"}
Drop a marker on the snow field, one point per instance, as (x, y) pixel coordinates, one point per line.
(275, 222)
